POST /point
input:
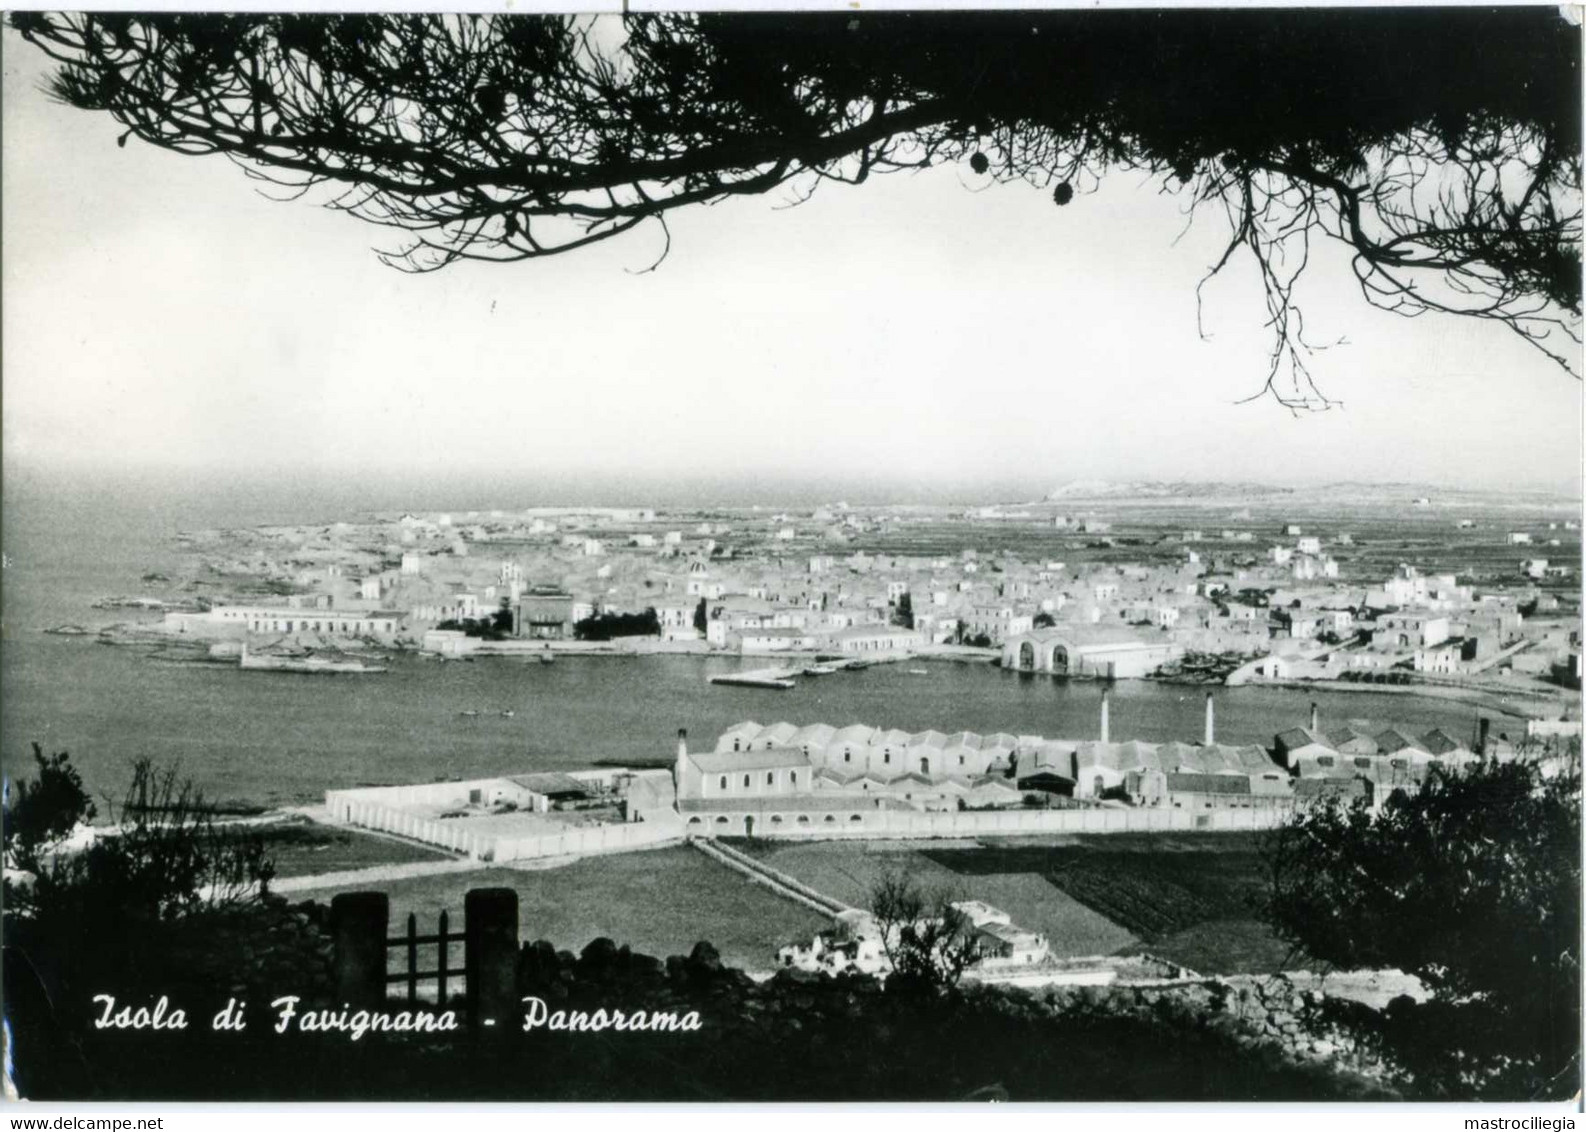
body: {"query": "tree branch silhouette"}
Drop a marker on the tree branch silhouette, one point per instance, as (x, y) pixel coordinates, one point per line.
(1440, 147)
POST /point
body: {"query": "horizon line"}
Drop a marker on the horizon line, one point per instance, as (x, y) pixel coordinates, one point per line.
(812, 487)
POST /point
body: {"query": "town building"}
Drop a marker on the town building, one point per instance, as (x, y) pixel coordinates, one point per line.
(546, 614)
(1084, 650)
(379, 624)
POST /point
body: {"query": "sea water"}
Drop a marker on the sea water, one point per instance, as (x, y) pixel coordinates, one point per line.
(277, 738)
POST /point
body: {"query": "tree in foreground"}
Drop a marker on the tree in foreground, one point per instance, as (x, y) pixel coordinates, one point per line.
(1474, 886)
(41, 813)
(96, 913)
(928, 942)
(1439, 148)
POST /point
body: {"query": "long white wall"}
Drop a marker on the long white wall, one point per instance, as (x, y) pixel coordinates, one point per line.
(356, 807)
(861, 824)
(586, 841)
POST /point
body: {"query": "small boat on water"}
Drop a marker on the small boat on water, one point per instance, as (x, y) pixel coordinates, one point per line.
(819, 670)
(919, 672)
(68, 631)
(507, 713)
(468, 712)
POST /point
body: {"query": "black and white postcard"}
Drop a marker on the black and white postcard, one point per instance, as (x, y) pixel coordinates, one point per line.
(840, 556)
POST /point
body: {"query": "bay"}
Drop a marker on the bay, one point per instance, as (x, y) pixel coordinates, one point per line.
(279, 738)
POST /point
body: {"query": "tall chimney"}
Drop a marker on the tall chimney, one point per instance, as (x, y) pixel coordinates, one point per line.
(1105, 696)
(1316, 718)
(682, 760)
(1211, 731)
(1482, 728)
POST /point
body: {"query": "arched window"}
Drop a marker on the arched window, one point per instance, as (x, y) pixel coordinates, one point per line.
(854, 817)
(770, 777)
(925, 765)
(746, 782)
(724, 782)
(793, 777)
(848, 756)
(735, 744)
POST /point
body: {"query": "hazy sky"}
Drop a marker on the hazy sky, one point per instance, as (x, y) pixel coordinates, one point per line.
(159, 312)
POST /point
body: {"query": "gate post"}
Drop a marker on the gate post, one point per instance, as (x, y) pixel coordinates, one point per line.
(490, 962)
(358, 926)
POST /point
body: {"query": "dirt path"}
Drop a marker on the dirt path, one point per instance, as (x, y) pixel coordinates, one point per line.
(377, 874)
(785, 886)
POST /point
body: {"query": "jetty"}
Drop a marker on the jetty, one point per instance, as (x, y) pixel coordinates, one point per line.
(780, 678)
(309, 662)
(784, 678)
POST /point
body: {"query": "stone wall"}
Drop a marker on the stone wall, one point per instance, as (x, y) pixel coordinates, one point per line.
(1281, 1013)
(270, 948)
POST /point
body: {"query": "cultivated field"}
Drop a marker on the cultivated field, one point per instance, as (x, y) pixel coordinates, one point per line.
(848, 870)
(1188, 898)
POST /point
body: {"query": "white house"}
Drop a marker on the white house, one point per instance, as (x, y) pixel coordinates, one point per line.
(865, 639)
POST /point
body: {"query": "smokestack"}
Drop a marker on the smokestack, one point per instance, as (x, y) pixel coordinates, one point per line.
(1211, 731)
(1316, 718)
(1482, 727)
(1105, 697)
(682, 759)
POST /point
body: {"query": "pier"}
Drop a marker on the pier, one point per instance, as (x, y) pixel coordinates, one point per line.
(784, 678)
(780, 678)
